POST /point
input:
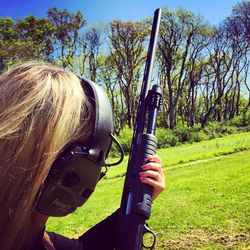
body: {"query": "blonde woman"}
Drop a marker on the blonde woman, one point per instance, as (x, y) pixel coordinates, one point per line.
(43, 109)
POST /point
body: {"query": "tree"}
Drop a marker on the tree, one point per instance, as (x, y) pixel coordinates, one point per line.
(93, 45)
(67, 26)
(30, 38)
(38, 33)
(109, 78)
(237, 26)
(7, 37)
(183, 37)
(228, 65)
(127, 54)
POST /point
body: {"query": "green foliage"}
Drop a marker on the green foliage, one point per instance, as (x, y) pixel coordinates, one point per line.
(240, 120)
(197, 136)
(237, 121)
(216, 129)
(67, 27)
(166, 138)
(183, 35)
(125, 139)
(26, 39)
(172, 137)
(181, 135)
(127, 57)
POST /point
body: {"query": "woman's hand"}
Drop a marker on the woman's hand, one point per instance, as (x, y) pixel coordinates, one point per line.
(153, 175)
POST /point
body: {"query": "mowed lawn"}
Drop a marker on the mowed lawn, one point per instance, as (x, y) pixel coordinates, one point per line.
(206, 204)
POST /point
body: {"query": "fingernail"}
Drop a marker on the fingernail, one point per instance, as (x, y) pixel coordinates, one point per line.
(150, 158)
(142, 178)
(143, 167)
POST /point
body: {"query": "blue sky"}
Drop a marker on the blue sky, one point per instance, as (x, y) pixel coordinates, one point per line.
(96, 11)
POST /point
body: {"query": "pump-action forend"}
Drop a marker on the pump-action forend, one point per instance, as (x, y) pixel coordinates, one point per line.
(137, 197)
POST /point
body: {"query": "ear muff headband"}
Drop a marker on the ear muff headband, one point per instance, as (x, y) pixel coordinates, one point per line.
(76, 171)
(103, 127)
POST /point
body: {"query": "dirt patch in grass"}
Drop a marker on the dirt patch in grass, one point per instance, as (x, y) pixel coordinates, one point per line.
(199, 238)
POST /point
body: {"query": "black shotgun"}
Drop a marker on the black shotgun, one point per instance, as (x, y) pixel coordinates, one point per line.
(137, 197)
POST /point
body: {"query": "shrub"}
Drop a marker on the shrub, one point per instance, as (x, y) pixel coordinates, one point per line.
(125, 139)
(166, 138)
(183, 133)
(246, 118)
(198, 136)
(241, 120)
(211, 130)
(237, 121)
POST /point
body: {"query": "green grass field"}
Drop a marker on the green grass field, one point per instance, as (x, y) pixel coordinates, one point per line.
(206, 204)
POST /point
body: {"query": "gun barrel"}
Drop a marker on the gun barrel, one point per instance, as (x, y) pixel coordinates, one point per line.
(148, 69)
(136, 200)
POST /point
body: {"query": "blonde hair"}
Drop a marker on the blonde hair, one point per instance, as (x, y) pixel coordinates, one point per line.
(42, 108)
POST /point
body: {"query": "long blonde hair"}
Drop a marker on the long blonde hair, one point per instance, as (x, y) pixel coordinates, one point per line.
(42, 108)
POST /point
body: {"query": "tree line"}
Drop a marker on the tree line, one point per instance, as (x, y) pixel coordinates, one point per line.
(203, 69)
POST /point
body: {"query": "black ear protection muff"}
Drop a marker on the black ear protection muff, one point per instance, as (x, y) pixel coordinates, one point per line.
(77, 169)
